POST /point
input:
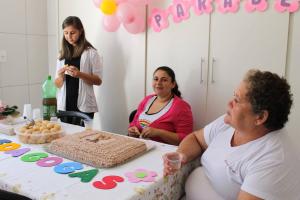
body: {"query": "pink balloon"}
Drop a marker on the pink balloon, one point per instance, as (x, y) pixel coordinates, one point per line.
(111, 23)
(120, 1)
(135, 27)
(126, 12)
(138, 2)
(97, 3)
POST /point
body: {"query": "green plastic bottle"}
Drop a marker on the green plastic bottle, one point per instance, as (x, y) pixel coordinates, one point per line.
(49, 99)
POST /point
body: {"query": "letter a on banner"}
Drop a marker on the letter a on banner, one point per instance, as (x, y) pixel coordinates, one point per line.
(179, 10)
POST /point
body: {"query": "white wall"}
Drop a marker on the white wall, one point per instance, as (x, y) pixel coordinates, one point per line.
(124, 65)
(23, 36)
(53, 41)
(293, 72)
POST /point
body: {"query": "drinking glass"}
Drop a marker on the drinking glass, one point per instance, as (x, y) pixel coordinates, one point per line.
(88, 124)
(36, 114)
(174, 160)
(27, 111)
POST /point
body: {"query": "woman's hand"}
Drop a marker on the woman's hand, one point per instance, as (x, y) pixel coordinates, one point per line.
(173, 162)
(59, 81)
(133, 131)
(73, 71)
(150, 132)
(61, 71)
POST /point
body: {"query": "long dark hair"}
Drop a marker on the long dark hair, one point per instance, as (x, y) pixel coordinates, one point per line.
(171, 73)
(67, 50)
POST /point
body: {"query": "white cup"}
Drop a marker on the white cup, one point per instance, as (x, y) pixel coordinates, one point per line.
(174, 160)
(53, 119)
(88, 124)
(36, 114)
(27, 111)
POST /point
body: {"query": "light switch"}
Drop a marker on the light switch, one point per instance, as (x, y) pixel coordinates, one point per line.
(3, 56)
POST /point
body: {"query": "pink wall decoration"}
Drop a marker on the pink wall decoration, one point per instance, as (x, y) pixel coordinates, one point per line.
(259, 5)
(179, 10)
(225, 6)
(111, 23)
(97, 3)
(137, 26)
(202, 6)
(286, 5)
(158, 20)
(126, 12)
(131, 13)
(139, 2)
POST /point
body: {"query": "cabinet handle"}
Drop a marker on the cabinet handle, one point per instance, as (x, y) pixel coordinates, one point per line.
(202, 61)
(212, 70)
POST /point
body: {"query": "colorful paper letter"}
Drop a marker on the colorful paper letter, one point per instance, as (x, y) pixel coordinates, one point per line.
(86, 176)
(108, 182)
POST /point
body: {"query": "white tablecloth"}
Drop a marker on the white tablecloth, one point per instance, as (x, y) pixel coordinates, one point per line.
(43, 183)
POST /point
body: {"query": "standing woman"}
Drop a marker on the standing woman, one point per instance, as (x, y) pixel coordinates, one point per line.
(78, 68)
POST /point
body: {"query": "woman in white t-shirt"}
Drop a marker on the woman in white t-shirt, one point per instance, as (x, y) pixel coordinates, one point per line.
(245, 154)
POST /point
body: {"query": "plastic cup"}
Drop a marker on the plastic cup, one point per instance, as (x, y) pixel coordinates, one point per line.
(53, 119)
(27, 111)
(36, 114)
(88, 124)
(174, 160)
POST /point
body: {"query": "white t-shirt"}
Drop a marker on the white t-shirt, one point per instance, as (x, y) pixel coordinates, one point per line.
(267, 167)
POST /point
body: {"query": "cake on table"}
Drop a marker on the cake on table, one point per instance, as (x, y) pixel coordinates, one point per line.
(97, 148)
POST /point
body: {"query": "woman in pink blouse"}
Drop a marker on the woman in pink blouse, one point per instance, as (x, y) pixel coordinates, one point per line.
(163, 116)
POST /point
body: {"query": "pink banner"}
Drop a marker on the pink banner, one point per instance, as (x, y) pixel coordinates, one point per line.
(180, 9)
(131, 13)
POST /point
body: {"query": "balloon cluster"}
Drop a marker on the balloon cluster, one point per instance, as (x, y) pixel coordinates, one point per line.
(130, 13)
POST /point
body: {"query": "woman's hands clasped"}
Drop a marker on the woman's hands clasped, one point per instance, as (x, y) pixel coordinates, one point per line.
(147, 132)
(73, 71)
(61, 72)
(133, 131)
(70, 70)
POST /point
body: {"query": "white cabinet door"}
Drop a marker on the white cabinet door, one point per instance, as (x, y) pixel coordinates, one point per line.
(293, 125)
(182, 46)
(238, 42)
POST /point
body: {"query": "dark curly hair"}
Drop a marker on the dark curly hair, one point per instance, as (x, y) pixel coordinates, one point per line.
(268, 92)
(171, 73)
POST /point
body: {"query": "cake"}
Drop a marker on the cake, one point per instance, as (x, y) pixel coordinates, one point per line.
(97, 148)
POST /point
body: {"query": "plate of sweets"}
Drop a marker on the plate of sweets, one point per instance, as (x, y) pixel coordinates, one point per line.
(39, 132)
